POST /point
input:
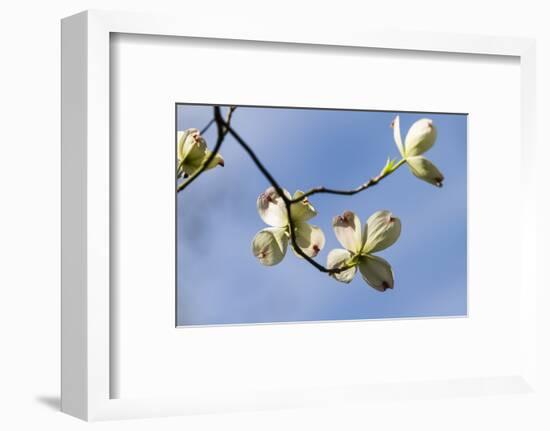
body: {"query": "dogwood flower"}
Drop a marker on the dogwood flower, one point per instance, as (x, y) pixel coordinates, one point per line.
(270, 244)
(382, 229)
(193, 152)
(420, 138)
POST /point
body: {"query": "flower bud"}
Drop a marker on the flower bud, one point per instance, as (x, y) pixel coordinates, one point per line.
(193, 152)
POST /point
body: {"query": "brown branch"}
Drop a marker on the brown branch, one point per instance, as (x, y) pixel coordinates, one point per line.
(372, 182)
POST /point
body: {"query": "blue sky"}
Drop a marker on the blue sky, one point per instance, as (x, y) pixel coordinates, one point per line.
(221, 282)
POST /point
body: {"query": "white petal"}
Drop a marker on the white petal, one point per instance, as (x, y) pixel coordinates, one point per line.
(269, 245)
(271, 208)
(191, 164)
(216, 161)
(420, 137)
(303, 210)
(182, 136)
(397, 135)
(309, 238)
(382, 230)
(425, 170)
(347, 228)
(189, 167)
(338, 258)
(376, 272)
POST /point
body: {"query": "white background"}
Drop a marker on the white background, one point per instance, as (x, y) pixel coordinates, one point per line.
(29, 221)
(241, 359)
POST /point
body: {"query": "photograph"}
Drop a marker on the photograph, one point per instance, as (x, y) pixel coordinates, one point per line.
(266, 216)
(292, 214)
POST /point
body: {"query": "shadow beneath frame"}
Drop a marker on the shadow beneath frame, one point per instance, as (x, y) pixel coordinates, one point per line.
(53, 402)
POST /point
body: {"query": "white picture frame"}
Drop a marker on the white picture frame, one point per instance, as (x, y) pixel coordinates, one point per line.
(87, 342)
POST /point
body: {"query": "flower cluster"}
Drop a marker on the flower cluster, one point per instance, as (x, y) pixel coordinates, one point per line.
(193, 153)
(380, 231)
(283, 212)
(420, 138)
(270, 244)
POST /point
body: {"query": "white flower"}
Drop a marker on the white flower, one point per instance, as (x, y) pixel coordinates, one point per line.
(193, 152)
(382, 229)
(420, 138)
(270, 244)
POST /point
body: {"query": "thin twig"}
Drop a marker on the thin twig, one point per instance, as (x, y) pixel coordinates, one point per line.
(228, 118)
(372, 182)
(205, 128)
(213, 120)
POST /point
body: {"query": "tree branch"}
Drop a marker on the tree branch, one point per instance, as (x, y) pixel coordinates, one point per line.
(372, 182)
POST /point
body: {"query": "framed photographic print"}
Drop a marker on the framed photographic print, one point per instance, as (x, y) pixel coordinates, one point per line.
(325, 219)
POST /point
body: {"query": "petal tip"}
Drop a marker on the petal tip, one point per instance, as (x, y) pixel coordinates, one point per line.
(315, 250)
(394, 121)
(385, 286)
(345, 219)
